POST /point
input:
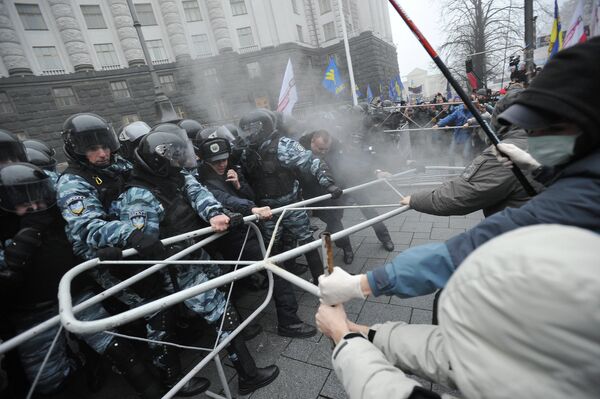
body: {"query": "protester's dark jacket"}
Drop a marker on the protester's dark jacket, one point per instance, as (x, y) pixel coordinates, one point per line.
(333, 161)
(573, 199)
(484, 184)
(240, 201)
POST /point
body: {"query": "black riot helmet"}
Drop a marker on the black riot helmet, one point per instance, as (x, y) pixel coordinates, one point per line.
(40, 146)
(11, 149)
(164, 153)
(25, 188)
(40, 159)
(129, 137)
(81, 132)
(233, 129)
(191, 127)
(256, 126)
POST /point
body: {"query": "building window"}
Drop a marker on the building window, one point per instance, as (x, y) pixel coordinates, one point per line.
(119, 89)
(145, 14)
(324, 6)
(64, 97)
(245, 37)
(31, 16)
(191, 8)
(107, 56)
(238, 7)
(93, 17)
(300, 34)
(6, 106)
(253, 70)
(48, 58)
(295, 7)
(180, 111)
(329, 31)
(158, 55)
(167, 83)
(130, 118)
(201, 45)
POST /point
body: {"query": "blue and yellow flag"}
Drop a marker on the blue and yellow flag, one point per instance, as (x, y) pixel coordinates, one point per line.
(556, 40)
(399, 88)
(392, 93)
(333, 80)
(357, 91)
(380, 89)
(369, 94)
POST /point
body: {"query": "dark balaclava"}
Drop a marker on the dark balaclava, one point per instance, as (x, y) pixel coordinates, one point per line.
(569, 87)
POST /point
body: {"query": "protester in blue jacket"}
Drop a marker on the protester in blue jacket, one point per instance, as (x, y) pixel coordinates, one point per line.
(461, 137)
(560, 112)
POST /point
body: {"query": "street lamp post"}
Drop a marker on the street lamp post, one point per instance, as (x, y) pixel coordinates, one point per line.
(164, 107)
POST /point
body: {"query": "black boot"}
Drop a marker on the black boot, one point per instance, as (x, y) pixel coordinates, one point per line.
(123, 357)
(166, 359)
(348, 255)
(383, 235)
(250, 377)
(315, 265)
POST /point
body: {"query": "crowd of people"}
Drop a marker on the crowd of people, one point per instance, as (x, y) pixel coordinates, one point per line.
(518, 314)
(522, 307)
(131, 189)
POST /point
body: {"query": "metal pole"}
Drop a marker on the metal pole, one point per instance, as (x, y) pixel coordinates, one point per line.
(529, 38)
(461, 93)
(348, 58)
(164, 107)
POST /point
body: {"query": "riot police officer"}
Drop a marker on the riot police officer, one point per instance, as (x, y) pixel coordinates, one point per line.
(228, 184)
(87, 191)
(160, 202)
(270, 162)
(11, 149)
(36, 257)
(130, 136)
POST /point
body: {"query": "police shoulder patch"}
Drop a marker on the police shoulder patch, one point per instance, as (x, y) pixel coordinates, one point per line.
(76, 204)
(138, 219)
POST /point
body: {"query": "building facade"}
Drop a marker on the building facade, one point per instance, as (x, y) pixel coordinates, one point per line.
(215, 59)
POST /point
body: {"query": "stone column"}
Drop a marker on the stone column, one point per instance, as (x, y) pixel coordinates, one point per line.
(11, 49)
(130, 43)
(174, 24)
(219, 25)
(71, 35)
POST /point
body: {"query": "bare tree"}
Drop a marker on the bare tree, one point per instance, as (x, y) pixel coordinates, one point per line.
(486, 31)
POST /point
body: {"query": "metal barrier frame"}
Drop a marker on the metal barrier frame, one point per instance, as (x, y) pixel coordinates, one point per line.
(67, 311)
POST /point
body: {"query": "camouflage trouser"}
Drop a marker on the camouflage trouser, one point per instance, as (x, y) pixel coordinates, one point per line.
(295, 224)
(59, 365)
(210, 304)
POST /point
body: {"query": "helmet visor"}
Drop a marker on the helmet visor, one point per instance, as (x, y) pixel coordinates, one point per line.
(28, 197)
(88, 139)
(12, 152)
(179, 156)
(251, 129)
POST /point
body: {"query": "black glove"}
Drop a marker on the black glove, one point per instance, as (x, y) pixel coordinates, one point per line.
(19, 252)
(335, 191)
(147, 247)
(235, 219)
(110, 253)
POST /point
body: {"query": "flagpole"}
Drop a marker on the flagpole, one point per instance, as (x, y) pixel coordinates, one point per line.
(348, 58)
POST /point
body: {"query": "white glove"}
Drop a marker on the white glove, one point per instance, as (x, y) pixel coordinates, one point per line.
(517, 157)
(339, 287)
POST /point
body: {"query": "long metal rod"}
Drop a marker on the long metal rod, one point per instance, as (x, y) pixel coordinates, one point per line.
(461, 93)
(347, 49)
(87, 327)
(432, 128)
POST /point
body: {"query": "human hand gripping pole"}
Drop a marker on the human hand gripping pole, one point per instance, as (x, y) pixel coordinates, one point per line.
(459, 90)
(340, 286)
